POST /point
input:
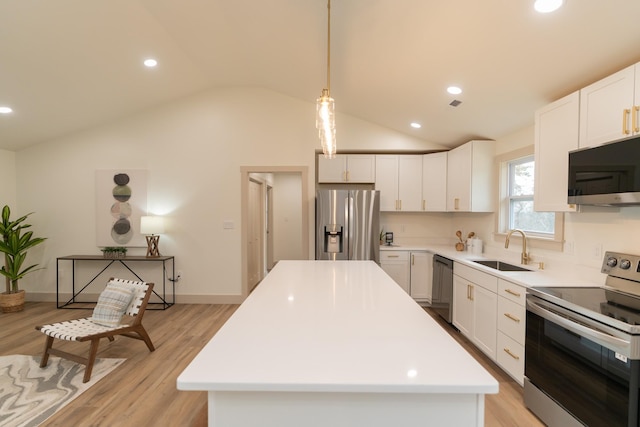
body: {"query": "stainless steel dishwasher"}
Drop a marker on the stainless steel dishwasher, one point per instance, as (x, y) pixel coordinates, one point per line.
(442, 291)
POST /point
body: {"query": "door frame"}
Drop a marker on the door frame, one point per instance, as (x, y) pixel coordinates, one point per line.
(245, 172)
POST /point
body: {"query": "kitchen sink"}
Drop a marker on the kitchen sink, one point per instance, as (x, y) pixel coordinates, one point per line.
(501, 266)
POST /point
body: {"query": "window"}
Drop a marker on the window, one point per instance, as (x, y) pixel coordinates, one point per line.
(520, 186)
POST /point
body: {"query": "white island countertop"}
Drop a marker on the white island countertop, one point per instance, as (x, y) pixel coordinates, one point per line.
(332, 327)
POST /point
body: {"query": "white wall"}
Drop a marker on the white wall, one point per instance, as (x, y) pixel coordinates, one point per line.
(193, 150)
(587, 233)
(8, 179)
(287, 191)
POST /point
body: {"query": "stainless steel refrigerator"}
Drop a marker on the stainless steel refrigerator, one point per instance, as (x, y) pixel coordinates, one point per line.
(348, 225)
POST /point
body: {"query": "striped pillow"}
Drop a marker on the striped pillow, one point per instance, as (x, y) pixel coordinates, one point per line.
(112, 304)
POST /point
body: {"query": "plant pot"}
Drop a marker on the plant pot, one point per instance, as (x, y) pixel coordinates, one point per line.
(13, 302)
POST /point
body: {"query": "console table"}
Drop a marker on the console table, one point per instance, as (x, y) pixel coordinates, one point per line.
(127, 263)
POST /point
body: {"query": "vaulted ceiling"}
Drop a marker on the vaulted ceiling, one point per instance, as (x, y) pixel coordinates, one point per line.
(67, 65)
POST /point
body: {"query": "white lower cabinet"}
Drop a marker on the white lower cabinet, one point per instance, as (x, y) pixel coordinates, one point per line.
(511, 357)
(491, 312)
(512, 316)
(475, 307)
(412, 270)
(396, 264)
(421, 277)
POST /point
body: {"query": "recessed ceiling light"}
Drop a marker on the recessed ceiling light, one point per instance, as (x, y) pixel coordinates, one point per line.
(454, 90)
(150, 63)
(5, 110)
(546, 6)
(416, 125)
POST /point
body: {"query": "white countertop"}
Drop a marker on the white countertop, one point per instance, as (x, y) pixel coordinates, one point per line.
(333, 326)
(535, 277)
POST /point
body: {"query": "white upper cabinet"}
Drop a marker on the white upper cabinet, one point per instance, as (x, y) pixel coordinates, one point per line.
(434, 182)
(610, 108)
(387, 181)
(410, 182)
(399, 179)
(556, 133)
(470, 178)
(347, 168)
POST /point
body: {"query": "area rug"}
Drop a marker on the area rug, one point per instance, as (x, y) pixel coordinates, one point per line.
(30, 394)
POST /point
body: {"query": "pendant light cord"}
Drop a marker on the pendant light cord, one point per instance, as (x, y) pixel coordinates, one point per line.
(329, 46)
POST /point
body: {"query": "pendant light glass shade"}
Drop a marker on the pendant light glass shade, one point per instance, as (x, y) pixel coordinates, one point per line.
(326, 123)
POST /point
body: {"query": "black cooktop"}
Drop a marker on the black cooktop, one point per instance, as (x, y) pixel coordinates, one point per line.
(602, 301)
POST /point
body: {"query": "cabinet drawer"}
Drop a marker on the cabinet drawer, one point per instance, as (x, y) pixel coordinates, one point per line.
(511, 319)
(511, 357)
(479, 278)
(509, 290)
(394, 256)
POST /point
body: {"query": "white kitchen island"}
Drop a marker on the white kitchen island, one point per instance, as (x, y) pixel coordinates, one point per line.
(340, 344)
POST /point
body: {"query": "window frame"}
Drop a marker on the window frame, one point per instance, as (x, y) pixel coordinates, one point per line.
(547, 241)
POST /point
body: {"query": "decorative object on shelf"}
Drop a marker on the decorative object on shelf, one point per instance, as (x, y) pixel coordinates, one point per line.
(113, 252)
(460, 244)
(325, 105)
(382, 236)
(15, 243)
(388, 238)
(151, 226)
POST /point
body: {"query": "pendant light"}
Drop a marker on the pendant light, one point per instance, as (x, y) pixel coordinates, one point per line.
(325, 105)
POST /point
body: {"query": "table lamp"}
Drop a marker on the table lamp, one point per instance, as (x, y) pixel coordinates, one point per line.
(151, 226)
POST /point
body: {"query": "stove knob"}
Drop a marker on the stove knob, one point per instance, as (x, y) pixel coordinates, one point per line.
(625, 264)
(612, 261)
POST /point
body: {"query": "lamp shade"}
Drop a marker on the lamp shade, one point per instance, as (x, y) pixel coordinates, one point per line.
(151, 225)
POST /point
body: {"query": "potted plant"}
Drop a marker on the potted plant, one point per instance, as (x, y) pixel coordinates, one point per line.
(114, 252)
(15, 243)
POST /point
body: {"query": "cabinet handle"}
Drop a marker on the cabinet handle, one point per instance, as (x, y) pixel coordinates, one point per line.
(634, 119)
(392, 256)
(514, 293)
(348, 177)
(625, 114)
(470, 292)
(515, 356)
(424, 205)
(413, 259)
(512, 317)
(400, 204)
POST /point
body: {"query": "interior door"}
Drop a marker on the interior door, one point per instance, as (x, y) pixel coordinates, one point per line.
(269, 229)
(255, 241)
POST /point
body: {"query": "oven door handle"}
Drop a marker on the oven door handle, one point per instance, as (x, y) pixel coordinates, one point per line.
(607, 340)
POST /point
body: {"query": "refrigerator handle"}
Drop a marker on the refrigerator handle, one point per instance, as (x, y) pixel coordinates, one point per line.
(350, 225)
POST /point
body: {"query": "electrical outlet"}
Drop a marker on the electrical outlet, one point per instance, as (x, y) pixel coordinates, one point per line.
(568, 248)
(597, 250)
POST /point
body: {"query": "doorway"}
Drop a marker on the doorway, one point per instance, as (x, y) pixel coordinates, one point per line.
(275, 219)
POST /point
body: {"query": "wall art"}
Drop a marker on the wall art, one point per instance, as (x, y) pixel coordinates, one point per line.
(121, 199)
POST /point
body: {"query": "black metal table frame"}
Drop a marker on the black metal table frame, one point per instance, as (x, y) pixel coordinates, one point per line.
(110, 261)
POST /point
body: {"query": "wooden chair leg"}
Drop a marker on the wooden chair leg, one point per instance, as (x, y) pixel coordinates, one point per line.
(145, 337)
(93, 351)
(45, 355)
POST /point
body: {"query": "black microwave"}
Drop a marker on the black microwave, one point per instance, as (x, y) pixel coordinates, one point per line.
(606, 175)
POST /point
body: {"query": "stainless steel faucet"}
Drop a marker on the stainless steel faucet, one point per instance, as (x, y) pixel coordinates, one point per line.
(524, 258)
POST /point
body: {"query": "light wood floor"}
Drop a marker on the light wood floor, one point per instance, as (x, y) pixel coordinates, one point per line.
(142, 391)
